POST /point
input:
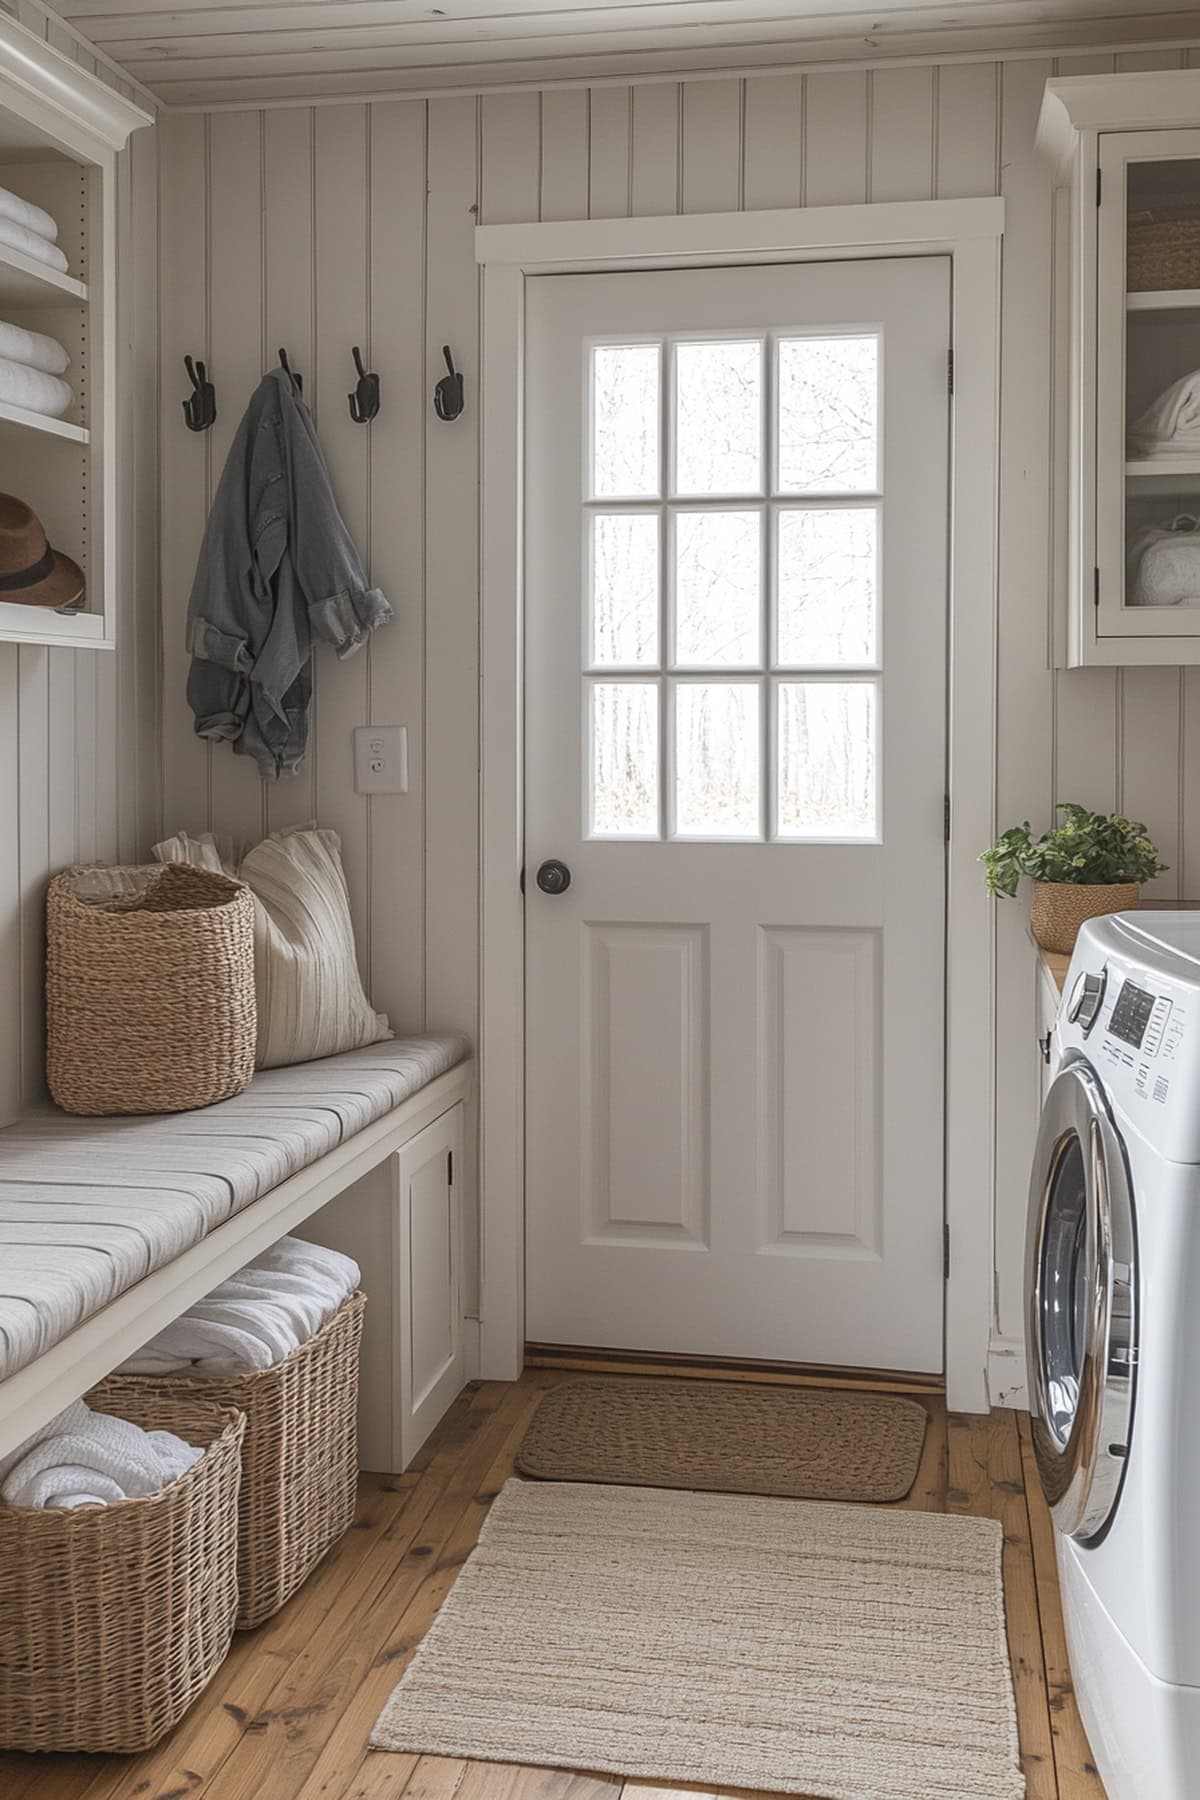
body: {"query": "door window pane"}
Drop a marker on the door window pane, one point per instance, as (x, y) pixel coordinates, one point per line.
(826, 763)
(625, 415)
(624, 735)
(718, 609)
(718, 418)
(717, 759)
(827, 585)
(625, 588)
(828, 415)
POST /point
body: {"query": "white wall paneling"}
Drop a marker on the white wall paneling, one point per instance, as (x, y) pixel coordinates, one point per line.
(412, 178)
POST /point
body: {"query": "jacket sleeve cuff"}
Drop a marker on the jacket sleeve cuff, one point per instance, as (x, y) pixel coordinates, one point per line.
(208, 643)
(346, 620)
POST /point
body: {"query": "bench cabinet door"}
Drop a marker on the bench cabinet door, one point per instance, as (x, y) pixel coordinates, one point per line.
(429, 1347)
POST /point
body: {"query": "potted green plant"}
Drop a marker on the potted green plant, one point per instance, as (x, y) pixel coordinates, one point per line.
(1090, 863)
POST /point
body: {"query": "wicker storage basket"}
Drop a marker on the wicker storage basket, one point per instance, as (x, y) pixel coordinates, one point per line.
(114, 1618)
(149, 989)
(299, 1459)
(1059, 908)
(1163, 253)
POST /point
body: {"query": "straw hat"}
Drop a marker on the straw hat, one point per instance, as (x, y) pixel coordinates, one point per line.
(31, 573)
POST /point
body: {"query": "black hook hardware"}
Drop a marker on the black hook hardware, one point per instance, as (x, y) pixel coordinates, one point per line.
(200, 407)
(364, 401)
(448, 394)
(296, 380)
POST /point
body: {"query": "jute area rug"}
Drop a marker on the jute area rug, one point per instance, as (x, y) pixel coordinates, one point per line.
(843, 1652)
(731, 1438)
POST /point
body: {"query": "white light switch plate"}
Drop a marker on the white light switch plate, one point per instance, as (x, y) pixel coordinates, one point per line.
(381, 759)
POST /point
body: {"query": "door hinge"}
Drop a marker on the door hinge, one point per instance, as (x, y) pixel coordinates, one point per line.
(946, 817)
(950, 370)
(1096, 589)
(945, 1252)
(1099, 185)
(449, 1168)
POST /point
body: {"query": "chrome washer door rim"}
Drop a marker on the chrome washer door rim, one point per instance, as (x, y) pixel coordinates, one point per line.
(1081, 1455)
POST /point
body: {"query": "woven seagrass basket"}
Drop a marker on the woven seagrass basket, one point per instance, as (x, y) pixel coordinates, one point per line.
(114, 1618)
(299, 1459)
(1163, 253)
(1059, 908)
(149, 989)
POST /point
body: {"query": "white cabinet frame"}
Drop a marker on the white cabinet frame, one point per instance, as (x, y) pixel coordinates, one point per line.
(969, 232)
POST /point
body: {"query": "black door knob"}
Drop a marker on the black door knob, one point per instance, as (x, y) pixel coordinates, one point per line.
(554, 877)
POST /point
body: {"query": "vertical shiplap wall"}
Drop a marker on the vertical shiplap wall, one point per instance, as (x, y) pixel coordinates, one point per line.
(80, 729)
(321, 228)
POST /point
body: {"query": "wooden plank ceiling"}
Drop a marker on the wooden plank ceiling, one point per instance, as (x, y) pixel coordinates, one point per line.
(202, 52)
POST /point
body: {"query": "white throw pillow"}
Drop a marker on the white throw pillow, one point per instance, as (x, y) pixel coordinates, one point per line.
(310, 995)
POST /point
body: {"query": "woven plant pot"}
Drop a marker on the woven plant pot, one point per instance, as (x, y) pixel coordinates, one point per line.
(1163, 253)
(114, 1618)
(149, 989)
(299, 1459)
(1059, 908)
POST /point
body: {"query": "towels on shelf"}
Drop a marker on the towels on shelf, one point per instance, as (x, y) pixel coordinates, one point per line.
(257, 1317)
(33, 389)
(25, 213)
(86, 1458)
(33, 348)
(1164, 564)
(1171, 426)
(40, 249)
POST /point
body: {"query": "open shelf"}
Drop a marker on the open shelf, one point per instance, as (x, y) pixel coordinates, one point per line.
(17, 422)
(41, 625)
(26, 282)
(1164, 300)
(1163, 468)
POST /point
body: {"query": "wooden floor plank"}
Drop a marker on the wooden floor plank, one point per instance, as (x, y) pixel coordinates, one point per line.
(1078, 1778)
(928, 1492)
(986, 1480)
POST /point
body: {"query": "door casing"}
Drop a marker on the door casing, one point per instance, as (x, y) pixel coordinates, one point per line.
(969, 232)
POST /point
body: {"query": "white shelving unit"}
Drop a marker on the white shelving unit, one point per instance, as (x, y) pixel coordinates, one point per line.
(1125, 149)
(60, 132)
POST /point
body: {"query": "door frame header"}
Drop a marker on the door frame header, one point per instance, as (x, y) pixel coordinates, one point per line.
(969, 232)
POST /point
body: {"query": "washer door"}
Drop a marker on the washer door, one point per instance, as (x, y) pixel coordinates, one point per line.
(1081, 1289)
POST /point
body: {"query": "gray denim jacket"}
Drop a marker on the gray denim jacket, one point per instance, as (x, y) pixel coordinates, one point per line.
(277, 569)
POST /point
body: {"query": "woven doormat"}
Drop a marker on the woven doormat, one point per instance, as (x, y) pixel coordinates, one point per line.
(843, 1651)
(729, 1438)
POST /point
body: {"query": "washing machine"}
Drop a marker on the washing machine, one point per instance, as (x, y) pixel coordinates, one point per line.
(1113, 1305)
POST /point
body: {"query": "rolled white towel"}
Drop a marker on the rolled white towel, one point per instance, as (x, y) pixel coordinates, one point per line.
(33, 348)
(24, 212)
(98, 1460)
(298, 1255)
(29, 243)
(33, 389)
(1170, 426)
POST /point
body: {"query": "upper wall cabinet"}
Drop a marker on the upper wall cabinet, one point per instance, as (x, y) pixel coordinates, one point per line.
(60, 131)
(1126, 151)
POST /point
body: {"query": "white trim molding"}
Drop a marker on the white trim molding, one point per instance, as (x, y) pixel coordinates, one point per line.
(50, 91)
(969, 232)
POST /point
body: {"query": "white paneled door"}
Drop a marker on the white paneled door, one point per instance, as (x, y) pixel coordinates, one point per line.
(736, 521)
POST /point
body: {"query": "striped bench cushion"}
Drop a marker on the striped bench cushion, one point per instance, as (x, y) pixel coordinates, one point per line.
(88, 1207)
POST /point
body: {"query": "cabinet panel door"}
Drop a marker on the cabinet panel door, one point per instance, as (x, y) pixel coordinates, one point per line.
(430, 1346)
(1148, 387)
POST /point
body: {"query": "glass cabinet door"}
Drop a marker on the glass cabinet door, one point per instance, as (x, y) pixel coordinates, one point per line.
(1148, 385)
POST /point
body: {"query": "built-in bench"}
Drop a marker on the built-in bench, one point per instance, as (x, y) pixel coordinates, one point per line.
(110, 1228)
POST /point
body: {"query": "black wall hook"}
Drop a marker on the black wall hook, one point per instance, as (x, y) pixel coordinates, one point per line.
(448, 394)
(200, 407)
(296, 380)
(364, 401)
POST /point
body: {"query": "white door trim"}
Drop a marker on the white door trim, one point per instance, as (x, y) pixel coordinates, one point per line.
(969, 231)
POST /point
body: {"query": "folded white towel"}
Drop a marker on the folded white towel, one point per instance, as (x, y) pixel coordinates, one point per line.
(33, 389)
(18, 237)
(257, 1317)
(33, 348)
(1171, 425)
(24, 212)
(86, 1458)
(1164, 564)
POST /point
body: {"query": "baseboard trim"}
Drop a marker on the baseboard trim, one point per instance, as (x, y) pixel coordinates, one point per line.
(1007, 1382)
(589, 1359)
